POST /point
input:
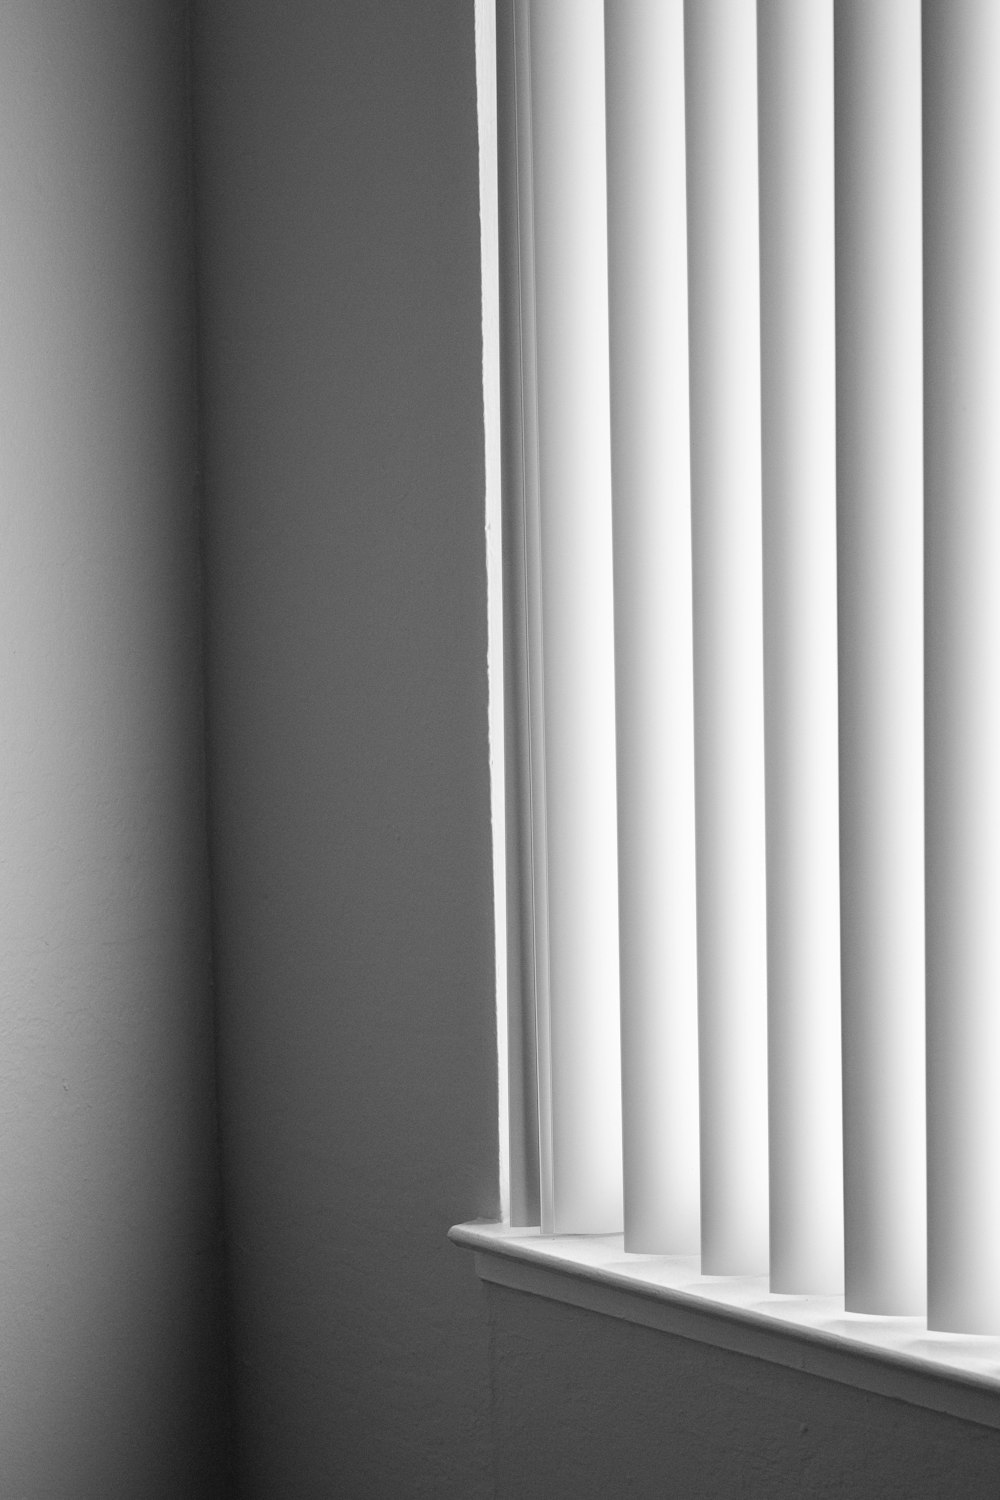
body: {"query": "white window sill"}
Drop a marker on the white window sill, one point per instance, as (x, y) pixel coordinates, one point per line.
(894, 1357)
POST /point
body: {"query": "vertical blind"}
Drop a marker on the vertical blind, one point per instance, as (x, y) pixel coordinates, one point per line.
(751, 403)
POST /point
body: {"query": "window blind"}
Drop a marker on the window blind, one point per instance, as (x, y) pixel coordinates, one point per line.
(751, 344)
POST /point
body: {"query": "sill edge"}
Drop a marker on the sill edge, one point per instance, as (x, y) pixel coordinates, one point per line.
(894, 1357)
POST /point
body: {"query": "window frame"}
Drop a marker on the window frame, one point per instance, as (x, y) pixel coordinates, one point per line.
(894, 1357)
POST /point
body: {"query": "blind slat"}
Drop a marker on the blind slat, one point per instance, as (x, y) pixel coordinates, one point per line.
(798, 431)
(577, 1000)
(724, 320)
(880, 483)
(652, 555)
(962, 302)
(515, 365)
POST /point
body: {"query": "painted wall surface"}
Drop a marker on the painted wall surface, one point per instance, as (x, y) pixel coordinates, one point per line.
(341, 378)
(110, 1370)
(591, 1408)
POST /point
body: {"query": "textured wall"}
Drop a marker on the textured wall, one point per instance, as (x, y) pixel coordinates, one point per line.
(342, 391)
(109, 1334)
(589, 1407)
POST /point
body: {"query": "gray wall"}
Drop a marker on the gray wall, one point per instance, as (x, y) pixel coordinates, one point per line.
(342, 399)
(110, 1377)
(590, 1408)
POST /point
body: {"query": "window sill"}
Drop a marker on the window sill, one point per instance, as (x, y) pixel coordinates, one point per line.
(895, 1357)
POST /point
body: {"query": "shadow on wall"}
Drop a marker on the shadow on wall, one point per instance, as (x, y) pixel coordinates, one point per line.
(111, 1375)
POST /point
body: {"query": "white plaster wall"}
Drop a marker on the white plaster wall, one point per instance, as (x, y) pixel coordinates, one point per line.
(341, 363)
(110, 1380)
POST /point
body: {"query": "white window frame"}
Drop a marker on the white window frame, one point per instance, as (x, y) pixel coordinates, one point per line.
(894, 1357)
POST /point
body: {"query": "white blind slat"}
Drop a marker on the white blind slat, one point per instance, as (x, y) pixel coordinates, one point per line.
(962, 301)
(798, 432)
(652, 555)
(579, 1044)
(720, 47)
(880, 482)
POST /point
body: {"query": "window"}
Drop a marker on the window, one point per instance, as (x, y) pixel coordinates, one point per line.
(750, 337)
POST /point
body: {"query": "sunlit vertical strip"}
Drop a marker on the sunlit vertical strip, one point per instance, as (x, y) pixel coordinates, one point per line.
(521, 434)
(517, 469)
(720, 46)
(486, 113)
(578, 1010)
(962, 331)
(644, 61)
(799, 441)
(880, 561)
